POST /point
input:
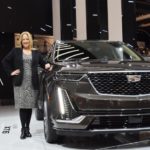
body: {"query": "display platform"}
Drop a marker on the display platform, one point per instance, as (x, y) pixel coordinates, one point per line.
(10, 137)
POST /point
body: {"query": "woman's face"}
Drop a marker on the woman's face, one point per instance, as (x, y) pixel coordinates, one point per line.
(25, 41)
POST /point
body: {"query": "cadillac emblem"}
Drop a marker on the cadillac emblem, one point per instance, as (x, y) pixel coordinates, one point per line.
(133, 78)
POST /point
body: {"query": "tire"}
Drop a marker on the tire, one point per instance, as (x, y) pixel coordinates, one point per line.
(39, 114)
(49, 132)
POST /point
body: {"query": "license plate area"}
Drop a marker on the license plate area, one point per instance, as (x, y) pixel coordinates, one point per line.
(135, 119)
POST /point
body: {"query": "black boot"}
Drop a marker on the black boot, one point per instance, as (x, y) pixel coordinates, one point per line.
(23, 134)
(27, 132)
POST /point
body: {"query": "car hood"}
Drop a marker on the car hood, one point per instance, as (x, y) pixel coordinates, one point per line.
(115, 66)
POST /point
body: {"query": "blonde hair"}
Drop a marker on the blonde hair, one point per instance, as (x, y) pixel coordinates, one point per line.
(30, 39)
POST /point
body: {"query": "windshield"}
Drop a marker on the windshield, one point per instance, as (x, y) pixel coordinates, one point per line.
(81, 50)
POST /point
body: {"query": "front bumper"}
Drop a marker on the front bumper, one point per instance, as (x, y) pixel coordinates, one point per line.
(97, 131)
(95, 114)
(92, 125)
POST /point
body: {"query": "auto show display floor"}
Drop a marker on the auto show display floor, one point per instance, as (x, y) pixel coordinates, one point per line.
(10, 137)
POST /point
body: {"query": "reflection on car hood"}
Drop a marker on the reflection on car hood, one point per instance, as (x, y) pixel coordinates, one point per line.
(113, 66)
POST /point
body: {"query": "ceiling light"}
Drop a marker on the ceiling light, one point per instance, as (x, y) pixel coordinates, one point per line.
(47, 25)
(9, 7)
(43, 29)
(131, 1)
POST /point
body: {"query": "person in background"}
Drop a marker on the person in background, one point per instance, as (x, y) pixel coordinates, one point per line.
(22, 64)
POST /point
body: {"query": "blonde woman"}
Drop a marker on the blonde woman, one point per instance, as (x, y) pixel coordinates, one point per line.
(22, 64)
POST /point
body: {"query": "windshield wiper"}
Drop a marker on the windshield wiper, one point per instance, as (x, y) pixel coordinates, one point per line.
(127, 61)
(102, 60)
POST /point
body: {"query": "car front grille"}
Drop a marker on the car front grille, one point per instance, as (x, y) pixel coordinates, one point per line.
(117, 83)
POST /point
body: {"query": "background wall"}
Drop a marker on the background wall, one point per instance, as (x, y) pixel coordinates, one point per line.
(129, 21)
(32, 15)
(6, 89)
(97, 19)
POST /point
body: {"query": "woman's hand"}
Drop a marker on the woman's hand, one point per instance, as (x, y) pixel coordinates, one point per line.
(15, 72)
(48, 67)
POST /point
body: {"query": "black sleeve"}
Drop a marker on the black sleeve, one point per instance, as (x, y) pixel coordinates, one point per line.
(41, 61)
(7, 62)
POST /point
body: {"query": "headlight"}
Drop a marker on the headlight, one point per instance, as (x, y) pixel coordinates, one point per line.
(61, 101)
(63, 106)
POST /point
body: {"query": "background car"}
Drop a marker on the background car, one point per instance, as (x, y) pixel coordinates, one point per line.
(95, 87)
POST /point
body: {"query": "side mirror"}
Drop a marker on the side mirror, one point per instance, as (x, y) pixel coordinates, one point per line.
(130, 46)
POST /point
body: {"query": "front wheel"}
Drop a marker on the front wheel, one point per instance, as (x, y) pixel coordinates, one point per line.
(49, 132)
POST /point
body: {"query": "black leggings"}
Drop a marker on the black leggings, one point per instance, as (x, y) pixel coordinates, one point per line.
(25, 117)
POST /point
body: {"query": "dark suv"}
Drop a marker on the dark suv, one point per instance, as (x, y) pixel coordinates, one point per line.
(94, 87)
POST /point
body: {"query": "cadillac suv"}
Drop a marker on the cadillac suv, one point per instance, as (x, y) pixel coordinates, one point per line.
(94, 87)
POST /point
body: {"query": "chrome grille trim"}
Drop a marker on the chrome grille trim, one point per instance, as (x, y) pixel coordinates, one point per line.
(120, 71)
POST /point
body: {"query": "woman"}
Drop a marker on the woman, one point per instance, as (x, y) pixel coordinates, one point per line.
(22, 64)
